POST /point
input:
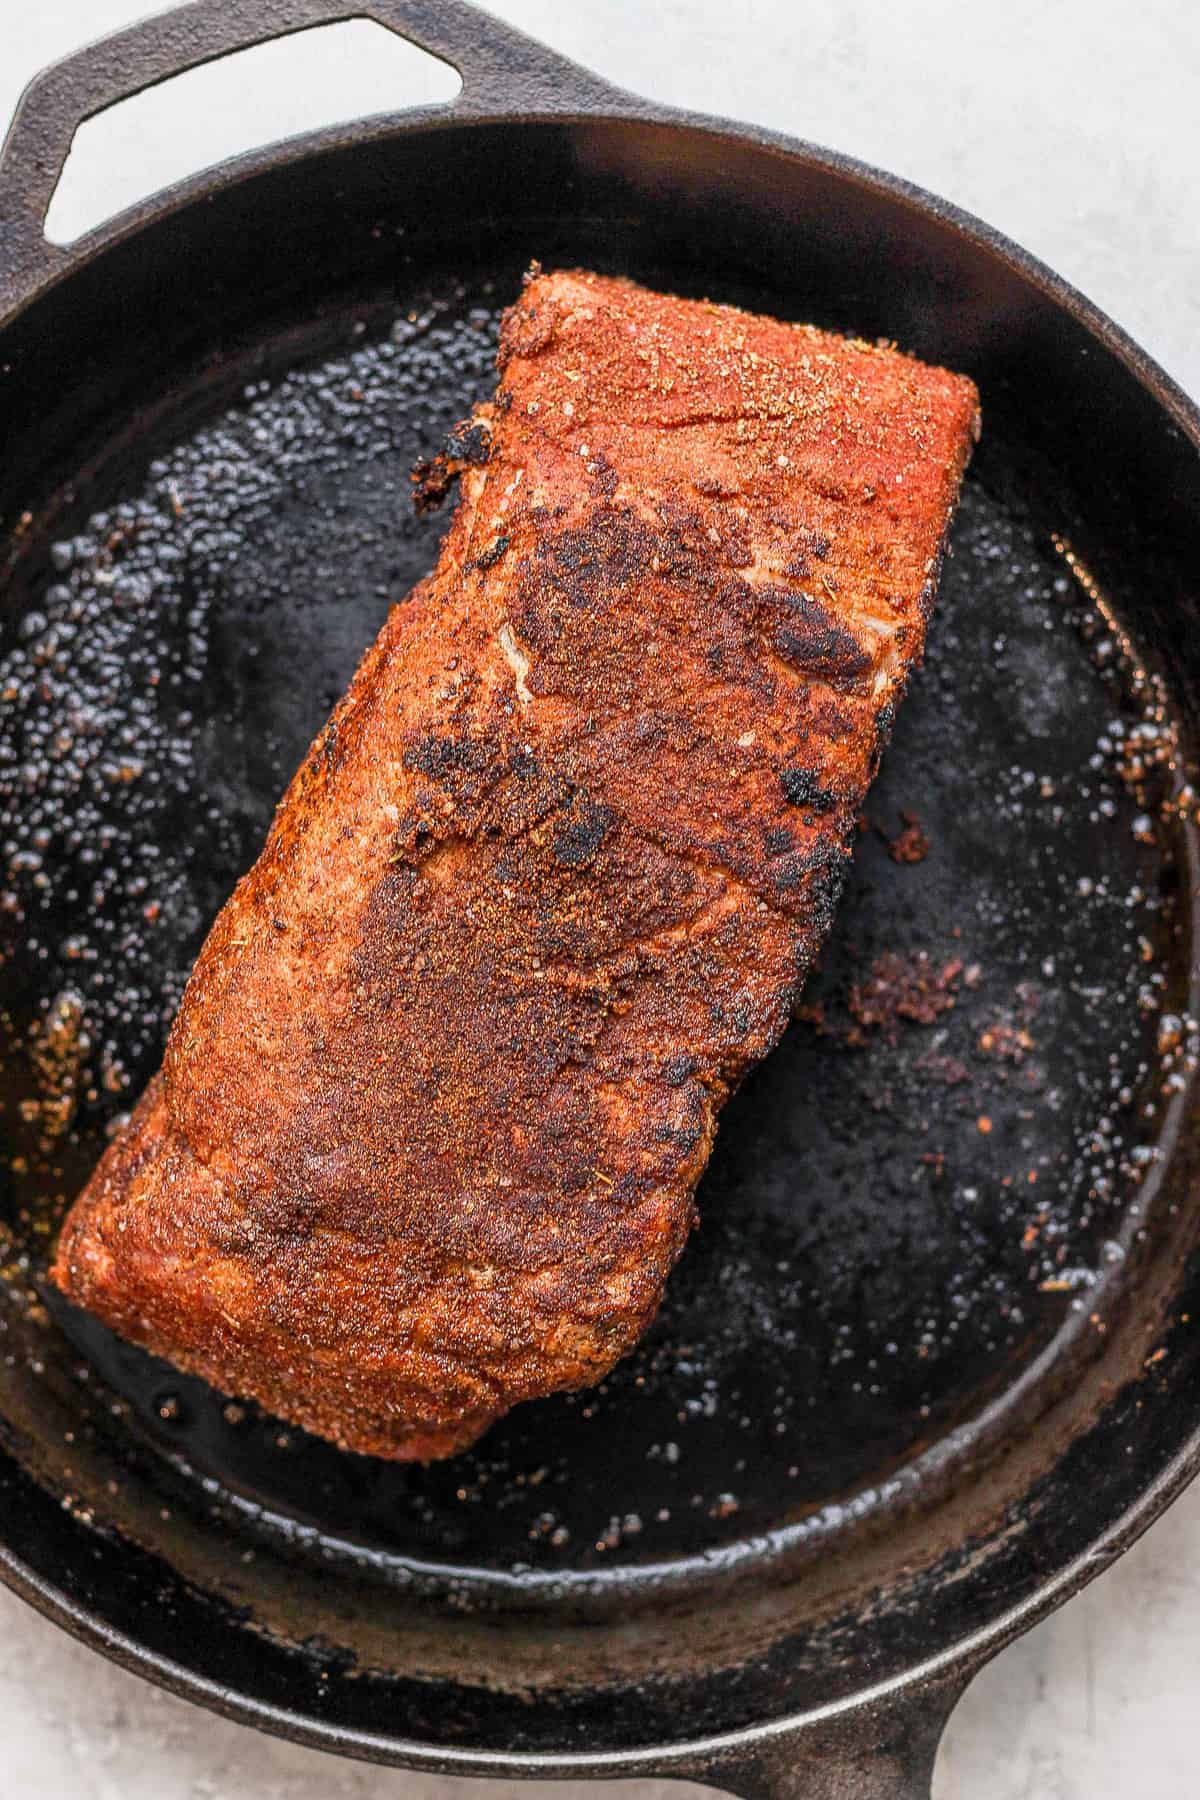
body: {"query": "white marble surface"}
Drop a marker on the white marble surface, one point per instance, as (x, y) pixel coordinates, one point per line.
(1074, 126)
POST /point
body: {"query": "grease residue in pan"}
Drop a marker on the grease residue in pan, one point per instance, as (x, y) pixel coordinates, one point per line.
(938, 1170)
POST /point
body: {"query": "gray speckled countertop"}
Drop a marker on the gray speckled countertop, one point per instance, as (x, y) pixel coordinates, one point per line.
(1073, 126)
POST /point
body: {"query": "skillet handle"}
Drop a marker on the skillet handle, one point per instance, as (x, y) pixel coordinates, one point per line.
(503, 73)
(884, 1749)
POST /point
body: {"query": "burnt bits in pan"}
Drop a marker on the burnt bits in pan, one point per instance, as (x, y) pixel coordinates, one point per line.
(938, 1169)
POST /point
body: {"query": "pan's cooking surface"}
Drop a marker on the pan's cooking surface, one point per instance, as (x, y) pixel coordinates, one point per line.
(934, 1174)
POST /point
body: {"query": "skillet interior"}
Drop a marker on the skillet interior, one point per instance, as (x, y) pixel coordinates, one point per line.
(889, 1357)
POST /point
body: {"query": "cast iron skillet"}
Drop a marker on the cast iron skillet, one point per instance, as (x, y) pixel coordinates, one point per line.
(930, 1362)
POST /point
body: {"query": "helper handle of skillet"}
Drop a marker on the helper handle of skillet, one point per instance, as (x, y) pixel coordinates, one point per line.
(882, 1748)
(504, 74)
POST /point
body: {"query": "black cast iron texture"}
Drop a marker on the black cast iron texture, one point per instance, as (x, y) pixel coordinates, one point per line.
(902, 1399)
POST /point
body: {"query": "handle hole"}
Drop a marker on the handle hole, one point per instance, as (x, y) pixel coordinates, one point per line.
(325, 75)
